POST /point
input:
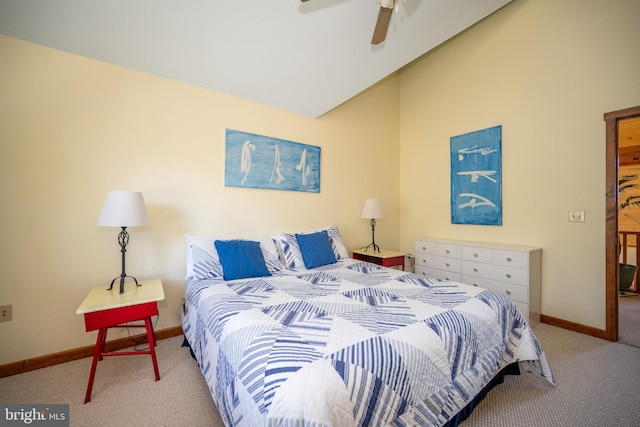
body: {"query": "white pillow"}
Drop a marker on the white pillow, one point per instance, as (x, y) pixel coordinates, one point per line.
(202, 259)
(292, 256)
(271, 254)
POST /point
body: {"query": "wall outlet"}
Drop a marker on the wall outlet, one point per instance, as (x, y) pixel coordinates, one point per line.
(5, 313)
(576, 216)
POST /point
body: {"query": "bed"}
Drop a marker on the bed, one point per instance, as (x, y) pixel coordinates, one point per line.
(287, 334)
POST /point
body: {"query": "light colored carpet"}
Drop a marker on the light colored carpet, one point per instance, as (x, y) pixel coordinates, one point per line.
(629, 319)
(125, 392)
(597, 386)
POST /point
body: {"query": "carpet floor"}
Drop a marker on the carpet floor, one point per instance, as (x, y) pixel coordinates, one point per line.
(597, 385)
(629, 319)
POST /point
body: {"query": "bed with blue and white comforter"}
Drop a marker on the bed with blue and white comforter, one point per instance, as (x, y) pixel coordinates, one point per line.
(351, 344)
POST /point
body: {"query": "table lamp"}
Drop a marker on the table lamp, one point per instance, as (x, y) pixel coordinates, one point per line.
(372, 209)
(123, 209)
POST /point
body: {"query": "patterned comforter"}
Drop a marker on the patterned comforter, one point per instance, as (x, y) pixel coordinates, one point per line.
(351, 344)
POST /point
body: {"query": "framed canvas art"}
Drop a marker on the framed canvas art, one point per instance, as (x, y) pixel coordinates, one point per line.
(258, 161)
(476, 177)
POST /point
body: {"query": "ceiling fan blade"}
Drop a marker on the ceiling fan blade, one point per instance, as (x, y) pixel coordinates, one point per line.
(382, 25)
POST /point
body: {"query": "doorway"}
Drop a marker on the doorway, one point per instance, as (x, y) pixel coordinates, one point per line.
(612, 120)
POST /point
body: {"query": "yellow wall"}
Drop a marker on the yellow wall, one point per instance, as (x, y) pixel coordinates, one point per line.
(72, 128)
(546, 71)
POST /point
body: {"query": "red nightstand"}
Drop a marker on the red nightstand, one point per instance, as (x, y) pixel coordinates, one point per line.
(384, 258)
(104, 309)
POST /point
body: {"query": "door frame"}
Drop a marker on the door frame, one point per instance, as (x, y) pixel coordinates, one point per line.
(611, 212)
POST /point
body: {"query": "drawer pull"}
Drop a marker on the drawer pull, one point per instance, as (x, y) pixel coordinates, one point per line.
(509, 259)
(424, 248)
(475, 255)
(508, 276)
(508, 292)
(475, 284)
(475, 270)
(448, 265)
(447, 251)
(424, 260)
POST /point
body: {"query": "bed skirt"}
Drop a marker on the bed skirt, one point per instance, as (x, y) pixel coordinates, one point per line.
(513, 369)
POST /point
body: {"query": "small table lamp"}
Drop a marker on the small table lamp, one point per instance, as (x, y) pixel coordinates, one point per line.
(123, 209)
(372, 209)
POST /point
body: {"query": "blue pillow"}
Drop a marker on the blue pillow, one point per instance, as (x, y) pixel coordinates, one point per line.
(241, 259)
(316, 249)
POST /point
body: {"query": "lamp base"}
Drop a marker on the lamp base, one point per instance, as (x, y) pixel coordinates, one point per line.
(375, 247)
(122, 278)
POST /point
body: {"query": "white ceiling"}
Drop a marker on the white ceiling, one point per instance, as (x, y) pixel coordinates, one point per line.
(306, 58)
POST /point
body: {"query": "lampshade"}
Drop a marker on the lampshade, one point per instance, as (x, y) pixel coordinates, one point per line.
(372, 209)
(123, 209)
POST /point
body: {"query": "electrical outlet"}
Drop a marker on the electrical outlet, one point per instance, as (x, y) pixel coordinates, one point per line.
(576, 216)
(5, 313)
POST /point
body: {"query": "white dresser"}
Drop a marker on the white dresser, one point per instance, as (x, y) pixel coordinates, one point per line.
(510, 270)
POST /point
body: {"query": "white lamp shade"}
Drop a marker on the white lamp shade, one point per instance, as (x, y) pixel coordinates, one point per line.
(372, 209)
(123, 209)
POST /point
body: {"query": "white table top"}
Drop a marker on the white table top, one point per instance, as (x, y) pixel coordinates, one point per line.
(100, 298)
(382, 254)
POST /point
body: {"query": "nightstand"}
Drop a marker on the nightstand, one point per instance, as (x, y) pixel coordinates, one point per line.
(384, 258)
(104, 309)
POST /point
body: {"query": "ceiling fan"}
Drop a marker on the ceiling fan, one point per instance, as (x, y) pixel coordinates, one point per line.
(384, 18)
(382, 24)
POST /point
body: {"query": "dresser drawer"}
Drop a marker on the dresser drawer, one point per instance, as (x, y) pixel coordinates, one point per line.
(425, 246)
(516, 276)
(515, 292)
(448, 250)
(510, 258)
(474, 253)
(438, 274)
(439, 262)
(438, 248)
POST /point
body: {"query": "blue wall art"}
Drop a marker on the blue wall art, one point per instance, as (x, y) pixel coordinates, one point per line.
(476, 177)
(257, 161)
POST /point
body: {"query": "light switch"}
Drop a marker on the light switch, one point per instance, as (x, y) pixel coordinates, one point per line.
(576, 216)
